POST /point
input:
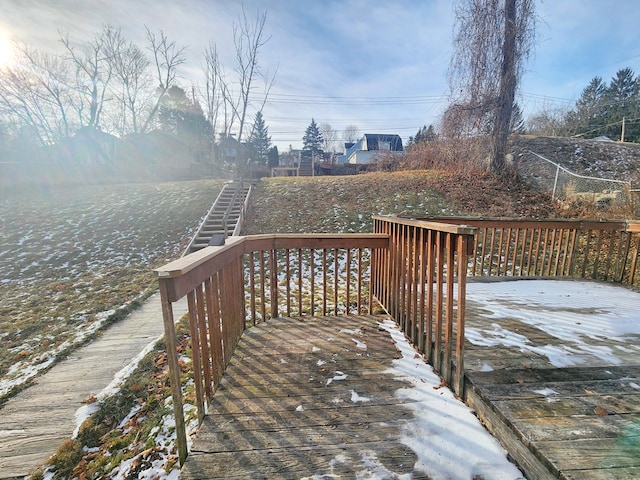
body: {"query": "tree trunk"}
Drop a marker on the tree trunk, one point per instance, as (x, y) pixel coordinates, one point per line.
(507, 88)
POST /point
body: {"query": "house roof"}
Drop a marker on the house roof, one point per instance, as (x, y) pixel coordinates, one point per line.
(373, 141)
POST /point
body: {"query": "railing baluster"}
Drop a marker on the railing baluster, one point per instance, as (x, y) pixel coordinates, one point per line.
(516, 245)
(450, 279)
(437, 362)
(300, 270)
(273, 282)
(288, 279)
(335, 281)
(348, 281)
(252, 286)
(312, 272)
(195, 348)
(429, 286)
(324, 282)
(422, 285)
(203, 343)
(263, 298)
(359, 281)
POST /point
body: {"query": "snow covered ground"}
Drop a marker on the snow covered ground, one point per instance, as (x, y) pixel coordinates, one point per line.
(587, 321)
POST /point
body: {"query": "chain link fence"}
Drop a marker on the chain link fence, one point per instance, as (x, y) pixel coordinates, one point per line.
(548, 176)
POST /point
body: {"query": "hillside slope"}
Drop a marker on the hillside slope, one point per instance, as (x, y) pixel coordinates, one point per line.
(594, 158)
(346, 204)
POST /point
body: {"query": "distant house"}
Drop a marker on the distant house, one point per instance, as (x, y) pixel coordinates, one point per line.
(370, 148)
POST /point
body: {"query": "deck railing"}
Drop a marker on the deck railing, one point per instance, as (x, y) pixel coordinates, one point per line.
(421, 282)
(598, 250)
(249, 280)
(415, 269)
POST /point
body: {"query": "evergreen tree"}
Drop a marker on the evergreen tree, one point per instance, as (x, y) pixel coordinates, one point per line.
(517, 121)
(274, 157)
(602, 108)
(424, 135)
(260, 141)
(589, 112)
(312, 140)
(622, 103)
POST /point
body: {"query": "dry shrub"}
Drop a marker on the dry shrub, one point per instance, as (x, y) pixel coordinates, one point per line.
(454, 156)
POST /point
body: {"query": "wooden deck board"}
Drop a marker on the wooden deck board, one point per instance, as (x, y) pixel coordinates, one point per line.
(291, 414)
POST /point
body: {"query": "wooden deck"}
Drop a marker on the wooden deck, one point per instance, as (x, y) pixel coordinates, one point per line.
(283, 411)
(579, 421)
(288, 406)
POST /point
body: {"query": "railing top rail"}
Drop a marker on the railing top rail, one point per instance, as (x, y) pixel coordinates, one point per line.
(434, 224)
(187, 263)
(496, 222)
(316, 240)
(187, 272)
(633, 227)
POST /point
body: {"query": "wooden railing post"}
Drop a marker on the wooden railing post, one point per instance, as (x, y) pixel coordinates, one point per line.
(174, 370)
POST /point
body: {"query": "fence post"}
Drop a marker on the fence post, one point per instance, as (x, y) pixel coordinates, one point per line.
(555, 182)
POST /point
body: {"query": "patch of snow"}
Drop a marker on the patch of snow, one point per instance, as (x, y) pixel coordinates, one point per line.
(546, 392)
(359, 344)
(555, 308)
(338, 376)
(448, 439)
(86, 411)
(355, 398)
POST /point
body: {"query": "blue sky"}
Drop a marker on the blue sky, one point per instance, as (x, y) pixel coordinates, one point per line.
(379, 65)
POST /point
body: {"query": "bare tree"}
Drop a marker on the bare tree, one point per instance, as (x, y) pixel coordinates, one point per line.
(549, 122)
(248, 38)
(214, 96)
(329, 137)
(36, 92)
(229, 102)
(493, 39)
(166, 57)
(93, 74)
(350, 133)
(129, 65)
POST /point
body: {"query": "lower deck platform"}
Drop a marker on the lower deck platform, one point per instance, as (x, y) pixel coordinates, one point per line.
(553, 370)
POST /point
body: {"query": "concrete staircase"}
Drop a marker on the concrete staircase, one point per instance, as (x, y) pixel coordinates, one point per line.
(225, 216)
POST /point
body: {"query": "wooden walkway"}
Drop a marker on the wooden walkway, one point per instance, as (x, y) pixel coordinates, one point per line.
(558, 385)
(36, 421)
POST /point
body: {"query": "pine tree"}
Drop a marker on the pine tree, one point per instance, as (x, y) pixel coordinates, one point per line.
(622, 103)
(260, 141)
(589, 111)
(274, 157)
(312, 140)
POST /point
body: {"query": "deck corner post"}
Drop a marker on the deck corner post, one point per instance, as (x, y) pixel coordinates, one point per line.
(174, 369)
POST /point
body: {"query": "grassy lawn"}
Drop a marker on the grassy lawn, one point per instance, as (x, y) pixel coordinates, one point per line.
(346, 204)
(72, 258)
